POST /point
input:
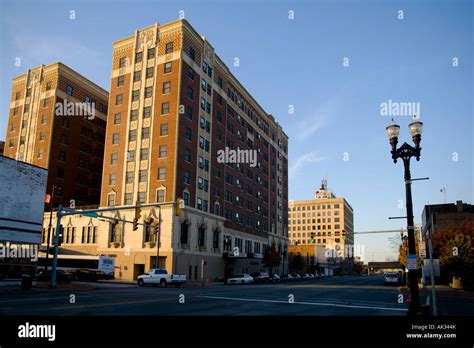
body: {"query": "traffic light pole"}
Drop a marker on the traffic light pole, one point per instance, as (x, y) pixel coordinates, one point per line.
(56, 247)
(49, 230)
(158, 233)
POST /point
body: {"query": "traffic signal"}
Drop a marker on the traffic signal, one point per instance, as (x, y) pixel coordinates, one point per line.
(179, 206)
(138, 214)
(343, 234)
(156, 227)
(60, 235)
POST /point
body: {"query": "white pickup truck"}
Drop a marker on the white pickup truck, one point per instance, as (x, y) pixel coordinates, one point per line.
(159, 276)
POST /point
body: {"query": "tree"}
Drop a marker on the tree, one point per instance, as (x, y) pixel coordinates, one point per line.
(454, 246)
(296, 262)
(272, 257)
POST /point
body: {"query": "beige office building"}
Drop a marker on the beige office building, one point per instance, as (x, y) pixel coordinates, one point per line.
(326, 221)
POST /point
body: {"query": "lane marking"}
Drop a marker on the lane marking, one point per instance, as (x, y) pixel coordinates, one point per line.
(43, 298)
(305, 303)
(75, 306)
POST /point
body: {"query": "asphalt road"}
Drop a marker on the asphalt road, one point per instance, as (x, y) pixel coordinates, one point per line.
(357, 295)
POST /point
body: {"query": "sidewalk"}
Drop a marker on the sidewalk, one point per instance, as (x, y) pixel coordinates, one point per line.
(451, 301)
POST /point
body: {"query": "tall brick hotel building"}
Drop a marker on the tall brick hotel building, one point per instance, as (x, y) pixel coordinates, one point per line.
(173, 106)
(70, 147)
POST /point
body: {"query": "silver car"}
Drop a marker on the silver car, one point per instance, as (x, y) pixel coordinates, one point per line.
(240, 279)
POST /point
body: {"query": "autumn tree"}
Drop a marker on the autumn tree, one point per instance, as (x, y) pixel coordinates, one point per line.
(272, 257)
(296, 262)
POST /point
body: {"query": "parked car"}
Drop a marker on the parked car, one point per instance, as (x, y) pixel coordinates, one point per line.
(90, 275)
(275, 278)
(390, 278)
(296, 276)
(160, 276)
(322, 275)
(260, 277)
(61, 276)
(317, 276)
(240, 279)
(310, 276)
(286, 278)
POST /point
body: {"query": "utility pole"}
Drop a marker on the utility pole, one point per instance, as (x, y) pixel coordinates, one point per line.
(56, 242)
(430, 250)
(49, 229)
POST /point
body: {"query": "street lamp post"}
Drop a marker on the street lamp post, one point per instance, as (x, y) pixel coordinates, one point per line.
(406, 152)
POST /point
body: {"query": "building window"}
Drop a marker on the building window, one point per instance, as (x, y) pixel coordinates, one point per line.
(187, 155)
(141, 197)
(42, 136)
(147, 112)
(115, 232)
(190, 93)
(122, 62)
(120, 81)
(161, 173)
(118, 99)
(40, 153)
(138, 57)
(128, 199)
(135, 95)
(112, 179)
(115, 138)
(114, 158)
(133, 115)
(165, 108)
(166, 87)
(148, 92)
(186, 198)
(169, 48)
(117, 118)
(132, 135)
(187, 177)
(188, 133)
(46, 102)
(191, 73)
(137, 76)
(168, 67)
(69, 90)
(151, 53)
(146, 133)
(142, 176)
(164, 129)
(192, 53)
(143, 154)
(163, 151)
(64, 139)
(201, 236)
(130, 156)
(111, 200)
(15, 111)
(149, 72)
(62, 156)
(129, 177)
(184, 233)
(17, 95)
(160, 195)
(149, 231)
(189, 112)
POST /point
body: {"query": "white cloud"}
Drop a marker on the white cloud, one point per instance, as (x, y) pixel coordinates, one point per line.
(302, 160)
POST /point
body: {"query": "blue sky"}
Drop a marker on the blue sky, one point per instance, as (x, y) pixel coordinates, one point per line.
(299, 62)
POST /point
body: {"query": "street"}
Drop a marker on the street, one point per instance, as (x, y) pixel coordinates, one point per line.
(346, 296)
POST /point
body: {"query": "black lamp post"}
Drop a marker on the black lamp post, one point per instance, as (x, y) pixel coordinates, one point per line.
(406, 152)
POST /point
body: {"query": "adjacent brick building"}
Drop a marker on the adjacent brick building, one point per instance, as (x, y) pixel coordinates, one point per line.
(68, 145)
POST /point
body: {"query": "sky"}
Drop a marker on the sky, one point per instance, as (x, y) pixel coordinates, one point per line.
(321, 68)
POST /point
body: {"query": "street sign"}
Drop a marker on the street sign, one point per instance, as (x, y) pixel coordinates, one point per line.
(411, 262)
(93, 215)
